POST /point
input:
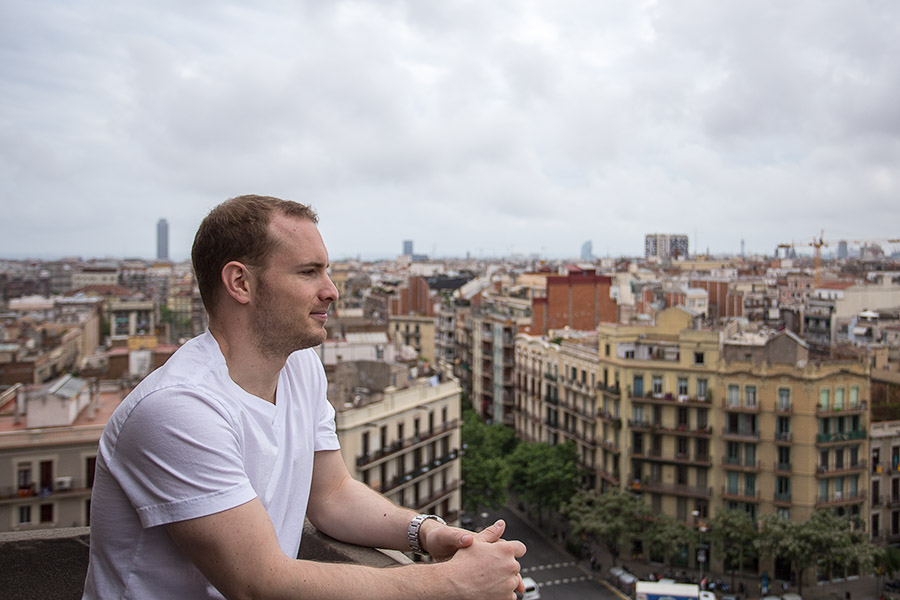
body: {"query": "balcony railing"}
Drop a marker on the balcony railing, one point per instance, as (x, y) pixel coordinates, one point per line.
(835, 470)
(838, 498)
(845, 436)
(409, 442)
(861, 407)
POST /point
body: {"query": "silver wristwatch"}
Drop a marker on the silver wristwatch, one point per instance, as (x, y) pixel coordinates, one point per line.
(413, 532)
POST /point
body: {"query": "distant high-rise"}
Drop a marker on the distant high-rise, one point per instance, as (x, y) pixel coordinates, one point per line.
(587, 251)
(162, 240)
(842, 251)
(665, 245)
(407, 247)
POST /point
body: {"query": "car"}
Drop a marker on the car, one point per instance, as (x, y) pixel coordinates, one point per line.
(704, 595)
(531, 589)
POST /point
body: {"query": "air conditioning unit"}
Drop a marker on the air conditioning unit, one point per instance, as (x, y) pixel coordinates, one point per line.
(63, 483)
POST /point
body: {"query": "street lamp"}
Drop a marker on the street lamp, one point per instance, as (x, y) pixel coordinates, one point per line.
(701, 550)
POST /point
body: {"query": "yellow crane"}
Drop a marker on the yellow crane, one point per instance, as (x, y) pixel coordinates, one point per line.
(817, 244)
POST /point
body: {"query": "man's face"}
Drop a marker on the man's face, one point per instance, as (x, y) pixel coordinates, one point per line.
(293, 292)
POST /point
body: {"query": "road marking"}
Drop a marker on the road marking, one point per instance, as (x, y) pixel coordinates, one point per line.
(561, 565)
(561, 581)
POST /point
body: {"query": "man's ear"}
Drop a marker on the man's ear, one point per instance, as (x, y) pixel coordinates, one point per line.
(236, 278)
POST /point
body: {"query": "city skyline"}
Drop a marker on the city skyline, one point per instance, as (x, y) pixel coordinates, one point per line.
(495, 130)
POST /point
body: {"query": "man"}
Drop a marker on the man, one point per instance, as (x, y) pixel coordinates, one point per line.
(206, 469)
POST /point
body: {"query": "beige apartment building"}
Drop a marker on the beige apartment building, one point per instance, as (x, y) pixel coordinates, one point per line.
(414, 331)
(401, 437)
(48, 447)
(696, 420)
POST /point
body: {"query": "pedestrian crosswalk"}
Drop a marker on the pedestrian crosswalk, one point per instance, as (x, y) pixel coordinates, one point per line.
(561, 581)
(561, 565)
(537, 571)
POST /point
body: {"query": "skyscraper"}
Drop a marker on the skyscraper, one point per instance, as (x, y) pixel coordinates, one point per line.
(407, 247)
(162, 240)
(587, 251)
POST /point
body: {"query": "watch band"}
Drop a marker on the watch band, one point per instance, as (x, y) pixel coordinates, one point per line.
(412, 533)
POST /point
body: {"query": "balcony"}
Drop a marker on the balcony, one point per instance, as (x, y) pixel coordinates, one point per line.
(783, 467)
(840, 498)
(782, 498)
(670, 399)
(735, 406)
(845, 436)
(826, 471)
(735, 464)
(782, 437)
(408, 477)
(673, 489)
(740, 495)
(859, 409)
(62, 487)
(52, 563)
(400, 445)
(740, 435)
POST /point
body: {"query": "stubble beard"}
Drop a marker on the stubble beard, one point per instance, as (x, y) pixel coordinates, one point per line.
(277, 337)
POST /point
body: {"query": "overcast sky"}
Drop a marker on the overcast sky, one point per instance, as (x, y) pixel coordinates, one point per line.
(482, 127)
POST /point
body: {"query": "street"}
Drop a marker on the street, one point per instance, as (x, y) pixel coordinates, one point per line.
(557, 575)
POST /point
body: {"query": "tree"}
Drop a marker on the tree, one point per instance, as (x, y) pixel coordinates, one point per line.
(544, 476)
(885, 562)
(667, 536)
(614, 518)
(823, 537)
(732, 533)
(484, 464)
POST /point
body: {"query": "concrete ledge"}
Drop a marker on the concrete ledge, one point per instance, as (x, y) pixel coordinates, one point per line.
(51, 563)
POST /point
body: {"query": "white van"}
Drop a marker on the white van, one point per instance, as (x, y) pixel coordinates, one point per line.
(531, 589)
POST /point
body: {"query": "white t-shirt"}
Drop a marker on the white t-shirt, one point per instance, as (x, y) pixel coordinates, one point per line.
(189, 442)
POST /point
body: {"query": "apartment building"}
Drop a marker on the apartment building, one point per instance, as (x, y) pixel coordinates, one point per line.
(486, 351)
(696, 420)
(401, 437)
(833, 305)
(884, 484)
(49, 436)
(415, 331)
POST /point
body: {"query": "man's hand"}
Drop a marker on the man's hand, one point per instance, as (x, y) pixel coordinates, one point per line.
(442, 541)
(488, 567)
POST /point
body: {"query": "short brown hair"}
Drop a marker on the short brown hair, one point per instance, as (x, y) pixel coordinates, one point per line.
(237, 229)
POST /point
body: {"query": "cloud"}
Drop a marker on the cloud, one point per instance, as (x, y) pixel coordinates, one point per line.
(508, 125)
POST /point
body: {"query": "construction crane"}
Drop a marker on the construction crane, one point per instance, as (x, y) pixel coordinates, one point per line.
(817, 244)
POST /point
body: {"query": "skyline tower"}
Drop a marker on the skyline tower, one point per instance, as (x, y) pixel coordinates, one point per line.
(162, 240)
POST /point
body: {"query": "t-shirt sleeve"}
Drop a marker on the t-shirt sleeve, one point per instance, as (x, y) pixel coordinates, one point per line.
(177, 457)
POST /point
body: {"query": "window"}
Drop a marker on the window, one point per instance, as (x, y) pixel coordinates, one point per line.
(750, 455)
(24, 515)
(784, 457)
(733, 453)
(698, 358)
(784, 399)
(783, 428)
(824, 398)
(733, 396)
(854, 396)
(657, 385)
(629, 354)
(365, 442)
(875, 525)
(838, 458)
(606, 350)
(750, 396)
(682, 386)
(682, 416)
(783, 513)
(839, 398)
(783, 487)
(638, 385)
(24, 476)
(702, 388)
(702, 418)
(638, 411)
(732, 483)
(682, 447)
(823, 460)
(876, 492)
